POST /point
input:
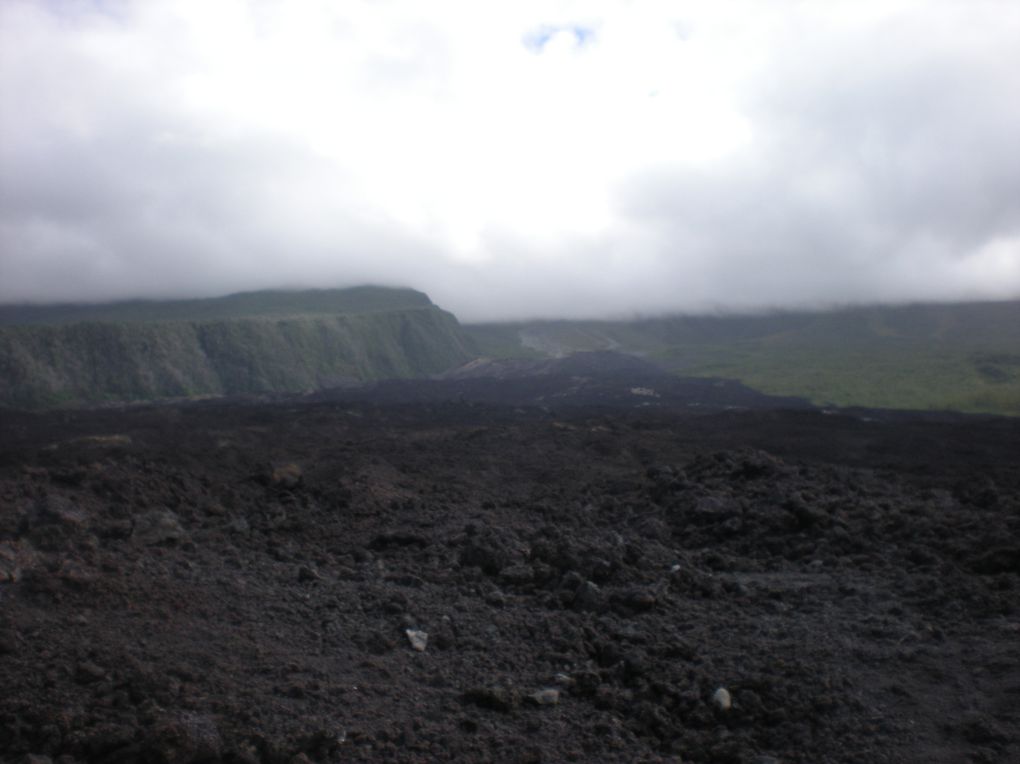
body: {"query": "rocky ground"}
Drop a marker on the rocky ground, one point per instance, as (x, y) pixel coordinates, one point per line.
(345, 580)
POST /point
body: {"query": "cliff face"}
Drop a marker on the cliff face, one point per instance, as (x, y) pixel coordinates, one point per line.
(91, 362)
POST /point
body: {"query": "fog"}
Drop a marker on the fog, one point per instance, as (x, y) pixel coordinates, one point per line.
(512, 160)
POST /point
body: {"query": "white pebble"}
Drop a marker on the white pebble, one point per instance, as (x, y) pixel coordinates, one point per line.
(418, 639)
(722, 700)
(547, 697)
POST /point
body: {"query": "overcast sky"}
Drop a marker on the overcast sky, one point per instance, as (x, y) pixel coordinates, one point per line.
(512, 159)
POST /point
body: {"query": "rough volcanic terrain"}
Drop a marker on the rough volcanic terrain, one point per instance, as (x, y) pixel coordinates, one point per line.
(453, 580)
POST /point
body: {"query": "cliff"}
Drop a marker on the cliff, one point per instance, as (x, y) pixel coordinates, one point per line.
(272, 349)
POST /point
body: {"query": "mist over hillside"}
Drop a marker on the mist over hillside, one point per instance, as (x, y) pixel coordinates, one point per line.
(963, 357)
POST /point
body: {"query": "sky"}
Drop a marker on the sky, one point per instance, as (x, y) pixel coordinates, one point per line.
(513, 160)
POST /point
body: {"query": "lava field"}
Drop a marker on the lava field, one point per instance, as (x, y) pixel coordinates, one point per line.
(561, 577)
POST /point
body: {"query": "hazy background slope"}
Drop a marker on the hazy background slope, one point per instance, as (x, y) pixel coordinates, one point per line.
(248, 343)
(964, 357)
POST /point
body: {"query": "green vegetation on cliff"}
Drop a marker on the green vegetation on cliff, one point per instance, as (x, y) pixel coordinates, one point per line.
(963, 357)
(269, 303)
(274, 342)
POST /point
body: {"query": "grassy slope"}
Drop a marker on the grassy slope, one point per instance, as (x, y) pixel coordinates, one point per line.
(272, 349)
(962, 357)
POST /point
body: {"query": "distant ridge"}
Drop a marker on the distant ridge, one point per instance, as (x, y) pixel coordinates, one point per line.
(950, 357)
(269, 303)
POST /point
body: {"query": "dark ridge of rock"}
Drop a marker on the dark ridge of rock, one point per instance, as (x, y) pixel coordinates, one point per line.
(604, 378)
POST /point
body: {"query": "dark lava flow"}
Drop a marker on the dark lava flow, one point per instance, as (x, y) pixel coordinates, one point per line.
(585, 563)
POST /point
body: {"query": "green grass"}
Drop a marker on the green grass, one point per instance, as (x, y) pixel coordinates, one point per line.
(962, 357)
(904, 378)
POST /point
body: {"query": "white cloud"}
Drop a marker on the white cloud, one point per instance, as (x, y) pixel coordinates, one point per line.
(512, 158)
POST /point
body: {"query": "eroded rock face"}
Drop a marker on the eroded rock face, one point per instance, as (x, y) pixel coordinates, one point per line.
(178, 355)
(474, 583)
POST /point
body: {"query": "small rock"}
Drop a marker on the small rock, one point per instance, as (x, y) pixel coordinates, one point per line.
(981, 730)
(486, 554)
(114, 529)
(806, 515)
(74, 574)
(57, 510)
(585, 682)
(997, 560)
(493, 698)
(517, 575)
(9, 642)
(286, 476)
(713, 509)
(548, 696)
(655, 529)
(446, 636)
(721, 699)
(636, 600)
(240, 525)
(103, 738)
(496, 598)
(306, 574)
(418, 639)
(13, 559)
(33, 758)
(184, 738)
(589, 597)
(750, 703)
(89, 672)
(157, 527)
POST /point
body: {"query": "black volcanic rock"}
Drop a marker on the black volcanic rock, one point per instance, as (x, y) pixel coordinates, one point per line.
(602, 364)
(588, 580)
(603, 378)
